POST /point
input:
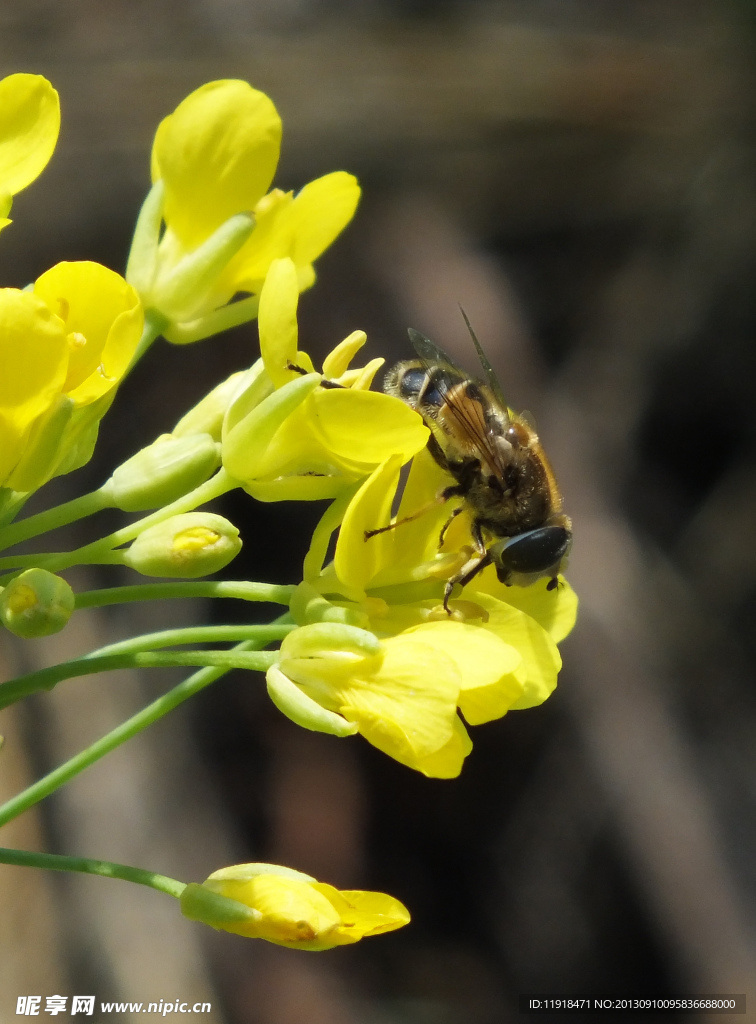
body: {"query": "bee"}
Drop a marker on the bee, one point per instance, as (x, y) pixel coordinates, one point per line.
(500, 469)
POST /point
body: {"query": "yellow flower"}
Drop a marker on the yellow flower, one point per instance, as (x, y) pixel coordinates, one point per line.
(215, 156)
(496, 652)
(287, 437)
(29, 125)
(289, 908)
(64, 347)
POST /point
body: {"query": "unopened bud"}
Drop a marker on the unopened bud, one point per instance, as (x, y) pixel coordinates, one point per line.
(163, 472)
(185, 546)
(207, 415)
(36, 603)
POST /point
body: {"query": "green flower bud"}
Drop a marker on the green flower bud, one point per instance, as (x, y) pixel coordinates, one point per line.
(163, 472)
(207, 415)
(185, 546)
(36, 603)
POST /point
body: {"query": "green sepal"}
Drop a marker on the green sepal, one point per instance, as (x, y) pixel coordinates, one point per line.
(142, 263)
(303, 710)
(181, 292)
(201, 904)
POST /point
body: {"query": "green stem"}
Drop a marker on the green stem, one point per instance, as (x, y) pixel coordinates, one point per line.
(101, 551)
(154, 325)
(106, 868)
(152, 713)
(241, 590)
(51, 519)
(265, 634)
(47, 678)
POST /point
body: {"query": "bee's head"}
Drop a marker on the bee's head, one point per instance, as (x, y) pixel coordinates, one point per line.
(529, 556)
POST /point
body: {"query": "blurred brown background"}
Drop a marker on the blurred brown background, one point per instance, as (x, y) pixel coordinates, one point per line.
(580, 176)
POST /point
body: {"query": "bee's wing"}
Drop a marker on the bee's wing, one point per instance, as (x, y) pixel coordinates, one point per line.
(493, 383)
(430, 354)
(469, 412)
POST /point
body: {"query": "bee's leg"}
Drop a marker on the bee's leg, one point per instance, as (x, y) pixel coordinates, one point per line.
(477, 537)
(415, 515)
(448, 523)
(468, 571)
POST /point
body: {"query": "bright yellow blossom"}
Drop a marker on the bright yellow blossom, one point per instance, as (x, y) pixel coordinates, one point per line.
(285, 435)
(64, 347)
(289, 908)
(215, 156)
(29, 125)
(496, 652)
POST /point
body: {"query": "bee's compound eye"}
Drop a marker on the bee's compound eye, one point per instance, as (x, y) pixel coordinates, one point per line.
(532, 552)
(411, 384)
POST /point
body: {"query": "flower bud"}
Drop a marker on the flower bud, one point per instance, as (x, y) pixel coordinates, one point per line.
(163, 471)
(289, 908)
(207, 415)
(185, 546)
(36, 603)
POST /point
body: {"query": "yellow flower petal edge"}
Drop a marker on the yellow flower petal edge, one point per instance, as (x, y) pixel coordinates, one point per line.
(29, 125)
(291, 909)
(216, 155)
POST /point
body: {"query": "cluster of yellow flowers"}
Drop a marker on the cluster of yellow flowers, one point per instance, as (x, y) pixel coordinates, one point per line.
(369, 648)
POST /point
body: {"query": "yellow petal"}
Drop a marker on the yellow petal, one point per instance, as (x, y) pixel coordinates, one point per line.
(216, 153)
(294, 913)
(540, 657)
(270, 240)
(555, 610)
(320, 212)
(277, 320)
(487, 665)
(447, 762)
(418, 541)
(356, 559)
(34, 358)
(407, 708)
(103, 319)
(29, 125)
(364, 913)
(366, 426)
